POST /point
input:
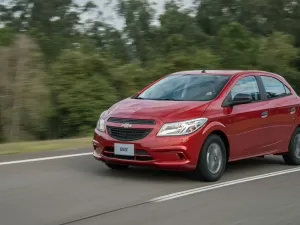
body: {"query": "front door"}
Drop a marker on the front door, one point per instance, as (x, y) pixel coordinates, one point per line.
(247, 124)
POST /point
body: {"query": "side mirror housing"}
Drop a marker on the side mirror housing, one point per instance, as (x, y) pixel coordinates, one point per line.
(239, 99)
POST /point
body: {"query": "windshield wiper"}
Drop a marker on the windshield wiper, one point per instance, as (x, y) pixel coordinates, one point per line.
(167, 99)
(138, 98)
(158, 99)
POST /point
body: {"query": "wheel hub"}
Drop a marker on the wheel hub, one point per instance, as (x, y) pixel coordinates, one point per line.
(214, 158)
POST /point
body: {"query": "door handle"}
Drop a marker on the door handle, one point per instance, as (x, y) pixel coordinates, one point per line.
(264, 114)
(293, 110)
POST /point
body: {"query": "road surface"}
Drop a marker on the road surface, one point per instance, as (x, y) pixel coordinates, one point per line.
(78, 190)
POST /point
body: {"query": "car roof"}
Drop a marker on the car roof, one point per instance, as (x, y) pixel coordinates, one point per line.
(222, 72)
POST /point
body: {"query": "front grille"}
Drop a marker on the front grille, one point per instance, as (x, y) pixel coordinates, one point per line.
(140, 155)
(127, 134)
(131, 121)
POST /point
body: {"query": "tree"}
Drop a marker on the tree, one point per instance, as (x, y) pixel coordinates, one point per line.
(180, 60)
(53, 23)
(109, 40)
(138, 16)
(82, 91)
(128, 79)
(79, 64)
(23, 92)
(278, 54)
(236, 47)
(178, 30)
(7, 36)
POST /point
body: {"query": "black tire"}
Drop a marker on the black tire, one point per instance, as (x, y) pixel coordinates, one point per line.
(202, 171)
(116, 166)
(293, 155)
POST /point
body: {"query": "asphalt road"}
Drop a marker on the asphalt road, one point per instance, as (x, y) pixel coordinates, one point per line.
(81, 191)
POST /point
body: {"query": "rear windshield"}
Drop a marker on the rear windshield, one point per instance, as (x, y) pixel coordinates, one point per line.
(186, 87)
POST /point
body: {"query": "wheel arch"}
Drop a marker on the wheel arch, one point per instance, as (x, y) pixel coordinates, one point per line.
(224, 138)
(296, 126)
(220, 130)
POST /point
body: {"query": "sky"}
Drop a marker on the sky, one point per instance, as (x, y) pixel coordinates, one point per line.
(114, 20)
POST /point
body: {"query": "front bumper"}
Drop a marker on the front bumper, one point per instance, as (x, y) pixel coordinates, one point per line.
(169, 153)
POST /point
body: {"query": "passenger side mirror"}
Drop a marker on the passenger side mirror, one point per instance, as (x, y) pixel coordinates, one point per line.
(241, 99)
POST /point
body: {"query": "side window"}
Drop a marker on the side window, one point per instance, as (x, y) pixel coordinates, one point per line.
(246, 85)
(274, 87)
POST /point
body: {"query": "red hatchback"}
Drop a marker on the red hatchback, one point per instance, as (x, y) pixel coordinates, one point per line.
(199, 121)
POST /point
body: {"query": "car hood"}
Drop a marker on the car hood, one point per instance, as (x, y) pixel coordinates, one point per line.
(167, 111)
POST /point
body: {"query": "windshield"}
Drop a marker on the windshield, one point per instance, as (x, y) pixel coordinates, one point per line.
(186, 87)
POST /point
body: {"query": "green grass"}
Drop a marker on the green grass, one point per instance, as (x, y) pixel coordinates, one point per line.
(39, 146)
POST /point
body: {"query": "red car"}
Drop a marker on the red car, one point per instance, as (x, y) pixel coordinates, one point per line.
(198, 121)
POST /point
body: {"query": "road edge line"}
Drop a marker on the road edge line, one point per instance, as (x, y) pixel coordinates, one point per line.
(220, 185)
(43, 158)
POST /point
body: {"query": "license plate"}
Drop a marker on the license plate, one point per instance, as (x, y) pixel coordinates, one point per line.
(124, 149)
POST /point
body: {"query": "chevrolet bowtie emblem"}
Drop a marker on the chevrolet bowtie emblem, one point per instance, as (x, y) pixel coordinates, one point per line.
(126, 125)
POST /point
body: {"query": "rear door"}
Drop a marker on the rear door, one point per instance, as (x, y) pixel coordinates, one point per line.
(283, 106)
(247, 124)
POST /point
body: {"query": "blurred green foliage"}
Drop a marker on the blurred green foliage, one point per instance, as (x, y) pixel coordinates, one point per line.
(85, 66)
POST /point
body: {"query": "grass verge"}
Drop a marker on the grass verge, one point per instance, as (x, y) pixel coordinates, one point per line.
(39, 146)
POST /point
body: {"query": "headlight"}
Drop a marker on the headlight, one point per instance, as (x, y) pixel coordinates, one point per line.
(101, 125)
(101, 122)
(182, 128)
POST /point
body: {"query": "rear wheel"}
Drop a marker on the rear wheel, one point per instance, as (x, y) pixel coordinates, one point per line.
(212, 159)
(293, 155)
(116, 166)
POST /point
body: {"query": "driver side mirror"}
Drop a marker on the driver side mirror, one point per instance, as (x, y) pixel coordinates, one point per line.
(241, 99)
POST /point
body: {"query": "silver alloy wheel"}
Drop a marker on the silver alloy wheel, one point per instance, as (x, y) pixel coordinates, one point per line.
(214, 158)
(297, 146)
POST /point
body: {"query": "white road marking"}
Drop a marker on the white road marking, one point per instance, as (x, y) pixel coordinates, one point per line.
(220, 185)
(43, 159)
(176, 194)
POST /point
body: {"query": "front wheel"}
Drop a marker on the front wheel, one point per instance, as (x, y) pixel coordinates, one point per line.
(116, 166)
(212, 159)
(293, 155)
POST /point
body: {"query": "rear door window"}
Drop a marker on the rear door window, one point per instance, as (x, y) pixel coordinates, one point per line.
(274, 88)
